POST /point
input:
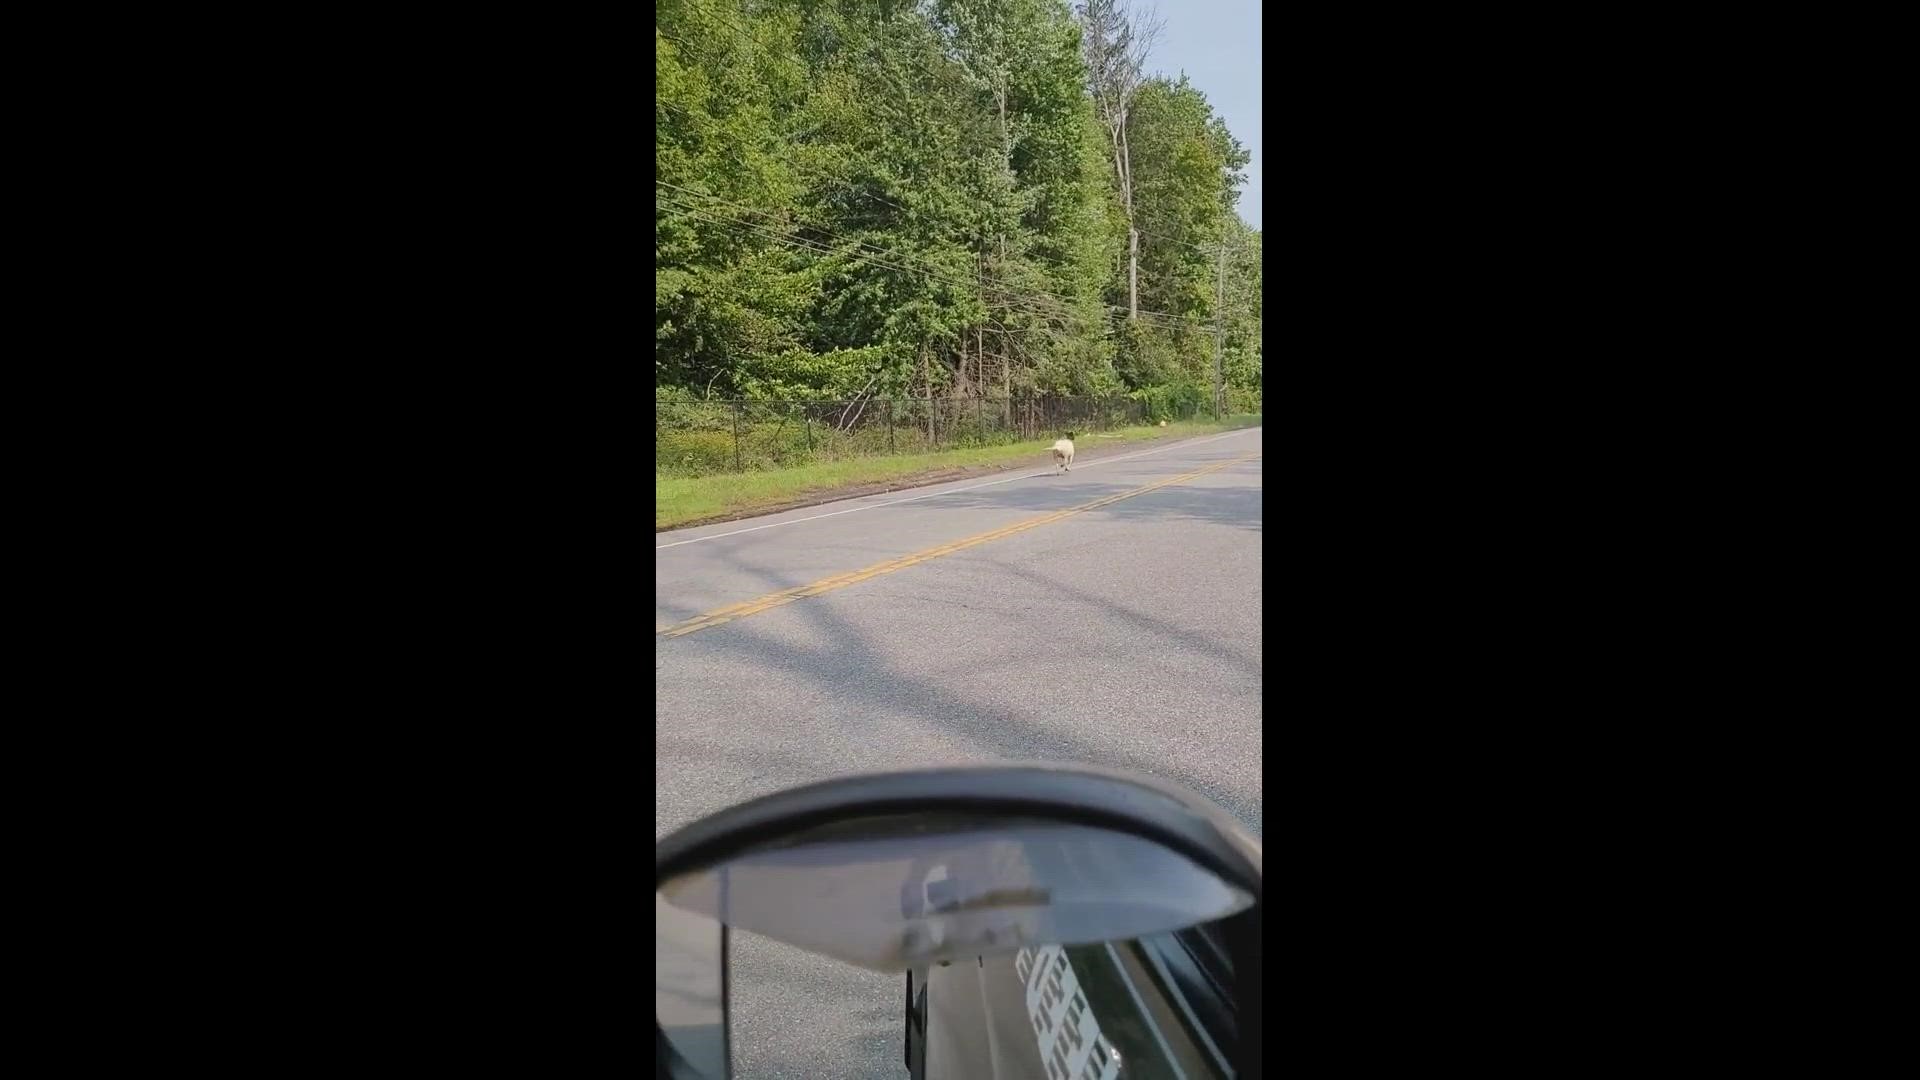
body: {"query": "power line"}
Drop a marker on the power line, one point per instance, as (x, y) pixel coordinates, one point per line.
(792, 241)
(816, 246)
(1012, 301)
(800, 243)
(1163, 318)
(756, 210)
(1174, 240)
(708, 123)
(888, 253)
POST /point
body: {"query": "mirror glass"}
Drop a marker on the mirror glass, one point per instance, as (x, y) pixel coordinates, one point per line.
(894, 893)
(1030, 948)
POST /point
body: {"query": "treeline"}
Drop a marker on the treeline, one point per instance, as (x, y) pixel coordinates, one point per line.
(940, 197)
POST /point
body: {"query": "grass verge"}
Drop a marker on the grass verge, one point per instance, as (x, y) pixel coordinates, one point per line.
(682, 501)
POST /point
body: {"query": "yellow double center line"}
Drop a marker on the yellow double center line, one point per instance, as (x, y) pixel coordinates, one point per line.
(745, 608)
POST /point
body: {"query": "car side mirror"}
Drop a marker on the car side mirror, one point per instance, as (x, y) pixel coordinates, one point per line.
(899, 872)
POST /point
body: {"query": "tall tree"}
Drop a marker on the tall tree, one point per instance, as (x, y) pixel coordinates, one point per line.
(1116, 40)
(1187, 169)
(1243, 312)
(1021, 59)
(932, 196)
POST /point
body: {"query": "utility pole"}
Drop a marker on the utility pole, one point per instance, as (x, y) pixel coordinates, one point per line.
(1220, 334)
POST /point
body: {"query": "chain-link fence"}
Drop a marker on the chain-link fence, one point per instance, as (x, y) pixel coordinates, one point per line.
(695, 438)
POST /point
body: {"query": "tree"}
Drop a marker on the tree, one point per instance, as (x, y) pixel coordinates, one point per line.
(1040, 281)
(1116, 41)
(1186, 171)
(862, 197)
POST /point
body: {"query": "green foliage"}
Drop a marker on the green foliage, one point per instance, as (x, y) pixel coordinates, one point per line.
(1173, 401)
(692, 453)
(891, 197)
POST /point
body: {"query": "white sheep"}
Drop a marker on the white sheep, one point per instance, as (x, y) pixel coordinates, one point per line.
(1063, 453)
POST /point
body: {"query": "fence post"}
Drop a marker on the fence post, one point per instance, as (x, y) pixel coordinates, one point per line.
(737, 467)
(807, 415)
(980, 420)
(889, 425)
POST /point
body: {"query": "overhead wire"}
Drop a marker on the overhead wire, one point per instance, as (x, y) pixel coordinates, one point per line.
(1158, 317)
(1013, 302)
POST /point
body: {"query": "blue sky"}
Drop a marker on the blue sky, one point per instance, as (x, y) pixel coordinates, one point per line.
(1217, 44)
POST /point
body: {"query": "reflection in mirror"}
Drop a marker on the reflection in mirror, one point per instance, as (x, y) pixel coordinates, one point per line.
(1158, 1006)
(898, 892)
(688, 993)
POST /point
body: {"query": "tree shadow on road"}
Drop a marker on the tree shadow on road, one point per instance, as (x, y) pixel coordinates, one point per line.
(990, 729)
(1240, 507)
(1183, 639)
(848, 1016)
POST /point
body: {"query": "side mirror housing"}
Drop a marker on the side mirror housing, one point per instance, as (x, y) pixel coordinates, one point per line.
(906, 871)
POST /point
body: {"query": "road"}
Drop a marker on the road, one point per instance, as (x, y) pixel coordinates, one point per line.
(1091, 617)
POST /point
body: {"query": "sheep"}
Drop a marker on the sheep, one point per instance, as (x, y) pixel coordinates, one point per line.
(1063, 453)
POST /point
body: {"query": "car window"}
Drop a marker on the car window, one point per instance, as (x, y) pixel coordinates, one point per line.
(1193, 972)
(1122, 1009)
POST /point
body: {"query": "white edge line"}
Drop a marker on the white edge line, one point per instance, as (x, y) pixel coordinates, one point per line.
(955, 491)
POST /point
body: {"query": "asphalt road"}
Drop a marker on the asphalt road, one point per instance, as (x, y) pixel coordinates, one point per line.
(1127, 634)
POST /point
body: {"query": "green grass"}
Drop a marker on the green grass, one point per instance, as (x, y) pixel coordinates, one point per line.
(680, 500)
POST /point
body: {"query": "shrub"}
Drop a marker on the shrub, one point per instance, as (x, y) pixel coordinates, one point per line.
(1171, 401)
(692, 453)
